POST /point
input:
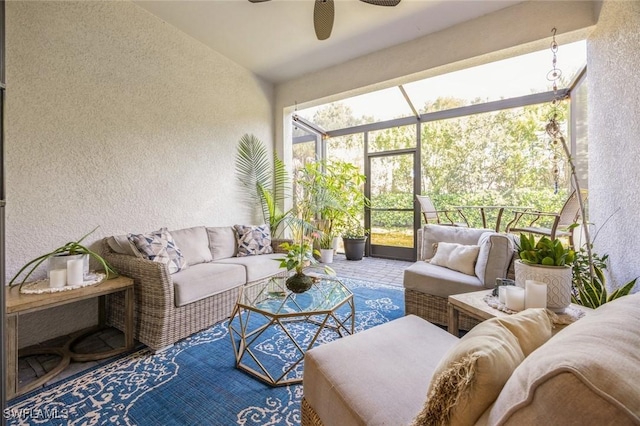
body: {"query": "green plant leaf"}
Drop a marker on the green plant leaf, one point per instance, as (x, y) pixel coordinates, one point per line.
(622, 291)
(548, 261)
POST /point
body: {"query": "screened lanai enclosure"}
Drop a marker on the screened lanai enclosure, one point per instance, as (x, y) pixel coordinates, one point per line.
(469, 139)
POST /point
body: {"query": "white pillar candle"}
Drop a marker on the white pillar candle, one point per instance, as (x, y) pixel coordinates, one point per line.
(535, 294)
(57, 277)
(75, 272)
(502, 291)
(514, 298)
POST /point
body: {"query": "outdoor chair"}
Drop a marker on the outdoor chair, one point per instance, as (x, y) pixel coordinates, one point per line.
(442, 217)
(525, 221)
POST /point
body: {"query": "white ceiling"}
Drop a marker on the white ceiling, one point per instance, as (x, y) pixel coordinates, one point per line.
(276, 39)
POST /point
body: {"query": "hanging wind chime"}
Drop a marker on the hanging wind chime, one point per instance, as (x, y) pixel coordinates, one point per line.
(558, 141)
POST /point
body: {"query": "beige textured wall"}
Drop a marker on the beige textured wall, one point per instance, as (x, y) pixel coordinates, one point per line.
(614, 135)
(114, 118)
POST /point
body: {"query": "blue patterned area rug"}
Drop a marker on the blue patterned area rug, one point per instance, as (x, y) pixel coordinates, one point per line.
(194, 382)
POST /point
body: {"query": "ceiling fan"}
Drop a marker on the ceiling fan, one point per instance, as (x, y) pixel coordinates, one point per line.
(324, 12)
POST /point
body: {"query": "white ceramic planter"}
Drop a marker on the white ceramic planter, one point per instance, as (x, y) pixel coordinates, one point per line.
(326, 255)
(557, 278)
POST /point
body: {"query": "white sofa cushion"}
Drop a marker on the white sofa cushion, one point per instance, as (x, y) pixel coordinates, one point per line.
(204, 280)
(346, 380)
(257, 267)
(494, 258)
(436, 280)
(122, 245)
(450, 234)
(194, 244)
(222, 242)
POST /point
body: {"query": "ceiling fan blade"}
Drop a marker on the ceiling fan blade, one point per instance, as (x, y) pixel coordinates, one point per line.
(382, 2)
(257, 1)
(323, 14)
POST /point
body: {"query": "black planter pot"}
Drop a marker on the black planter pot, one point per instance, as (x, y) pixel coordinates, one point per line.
(354, 247)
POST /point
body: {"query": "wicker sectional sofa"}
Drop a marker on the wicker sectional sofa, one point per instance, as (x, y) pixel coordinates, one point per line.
(170, 307)
(428, 286)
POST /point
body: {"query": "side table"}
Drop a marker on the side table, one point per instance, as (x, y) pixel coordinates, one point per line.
(473, 304)
(18, 304)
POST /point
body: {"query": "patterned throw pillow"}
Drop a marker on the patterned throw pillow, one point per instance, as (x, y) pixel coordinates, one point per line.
(160, 247)
(253, 240)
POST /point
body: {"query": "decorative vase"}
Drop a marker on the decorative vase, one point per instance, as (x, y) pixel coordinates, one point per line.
(558, 279)
(299, 282)
(326, 255)
(354, 247)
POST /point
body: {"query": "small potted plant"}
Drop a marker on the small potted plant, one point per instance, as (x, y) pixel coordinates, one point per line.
(591, 291)
(326, 247)
(298, 256)
(547, 261)
(72, 248)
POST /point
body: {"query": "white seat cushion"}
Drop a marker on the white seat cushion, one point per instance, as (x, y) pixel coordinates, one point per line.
(206, 279)
(347, 381)
(439, 281)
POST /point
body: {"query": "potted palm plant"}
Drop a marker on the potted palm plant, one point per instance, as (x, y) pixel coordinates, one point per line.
(265, 184)
(547, 261)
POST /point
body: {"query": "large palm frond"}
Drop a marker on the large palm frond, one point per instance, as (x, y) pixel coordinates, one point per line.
(264, 185)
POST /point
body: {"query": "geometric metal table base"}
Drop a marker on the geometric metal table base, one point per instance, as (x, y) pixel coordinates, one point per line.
(253, 316)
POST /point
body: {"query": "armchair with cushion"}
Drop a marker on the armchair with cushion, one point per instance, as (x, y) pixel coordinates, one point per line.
(453, 260)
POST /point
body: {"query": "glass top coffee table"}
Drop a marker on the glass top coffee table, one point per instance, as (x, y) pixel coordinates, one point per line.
(271, 328)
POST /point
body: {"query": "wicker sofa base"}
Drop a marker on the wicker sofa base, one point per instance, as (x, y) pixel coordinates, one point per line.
(161, 331)
(158, 322)
(308, 415)
(434, 309)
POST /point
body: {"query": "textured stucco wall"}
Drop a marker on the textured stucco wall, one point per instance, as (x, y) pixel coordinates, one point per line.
(114, 118)
(613, 51)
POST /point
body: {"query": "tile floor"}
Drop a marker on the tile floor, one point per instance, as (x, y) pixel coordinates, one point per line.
(377, 270)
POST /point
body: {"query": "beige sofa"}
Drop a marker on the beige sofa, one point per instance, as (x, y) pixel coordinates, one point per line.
(170, 307)
(587, 373)
(427, 286)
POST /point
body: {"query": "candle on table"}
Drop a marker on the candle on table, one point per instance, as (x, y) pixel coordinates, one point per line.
(502, 291)
(75, 272)
(57, 277)
(514, 298)
(535, 294)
